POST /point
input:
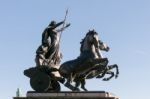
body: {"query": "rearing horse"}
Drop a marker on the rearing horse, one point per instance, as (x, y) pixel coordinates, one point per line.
(88, 59)
(99, 70)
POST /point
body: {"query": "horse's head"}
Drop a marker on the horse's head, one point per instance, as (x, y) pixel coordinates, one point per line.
(93, 38)
(90, 39)
(103, 46)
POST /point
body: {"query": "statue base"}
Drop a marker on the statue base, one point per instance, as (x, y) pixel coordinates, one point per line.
(69, 95)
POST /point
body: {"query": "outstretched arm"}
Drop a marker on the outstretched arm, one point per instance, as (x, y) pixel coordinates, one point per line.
(58, 24)
(59, 30)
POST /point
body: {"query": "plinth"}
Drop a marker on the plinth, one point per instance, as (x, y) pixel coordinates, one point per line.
(69, 95)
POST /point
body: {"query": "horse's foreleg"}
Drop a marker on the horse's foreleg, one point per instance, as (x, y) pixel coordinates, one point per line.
(99, 61)
(112, 75)
(117, 69)
(103, 74)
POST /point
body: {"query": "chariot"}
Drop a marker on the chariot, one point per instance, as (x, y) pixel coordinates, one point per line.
(90, 64)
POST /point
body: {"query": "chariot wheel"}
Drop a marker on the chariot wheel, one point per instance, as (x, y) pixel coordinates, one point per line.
(40, 82)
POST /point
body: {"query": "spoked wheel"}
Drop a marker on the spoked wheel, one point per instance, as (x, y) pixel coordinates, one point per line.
(40, 82)
(55, 86)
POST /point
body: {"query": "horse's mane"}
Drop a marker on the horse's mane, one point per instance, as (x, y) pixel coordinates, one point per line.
(82, 44)
(91, 32)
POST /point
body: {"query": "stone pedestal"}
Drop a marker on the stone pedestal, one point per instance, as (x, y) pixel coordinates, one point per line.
(70, 95)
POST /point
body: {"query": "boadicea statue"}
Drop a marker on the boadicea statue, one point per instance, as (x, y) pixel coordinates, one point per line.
(48, 73)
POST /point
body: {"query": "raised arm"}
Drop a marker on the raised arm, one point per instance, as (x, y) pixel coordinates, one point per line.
(63, 28)
(58, 24)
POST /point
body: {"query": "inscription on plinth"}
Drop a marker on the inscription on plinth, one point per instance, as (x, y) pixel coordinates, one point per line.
(70, 95)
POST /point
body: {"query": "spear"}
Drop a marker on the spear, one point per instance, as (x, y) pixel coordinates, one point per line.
(64, 23)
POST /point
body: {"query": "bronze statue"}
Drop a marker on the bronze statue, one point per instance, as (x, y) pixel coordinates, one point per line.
(49, 50)
(90, 63)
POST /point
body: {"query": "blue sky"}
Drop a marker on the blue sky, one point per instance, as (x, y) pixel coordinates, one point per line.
(123, 24)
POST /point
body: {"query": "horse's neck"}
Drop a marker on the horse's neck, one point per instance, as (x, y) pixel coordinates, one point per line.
(100, 56)
(87, 46)
(90, 47)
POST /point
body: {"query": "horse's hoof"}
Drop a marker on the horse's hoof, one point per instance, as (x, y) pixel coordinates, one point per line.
(105, 79)
(85, 90)
(115, 65)
(116, 76)
(76, 89)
